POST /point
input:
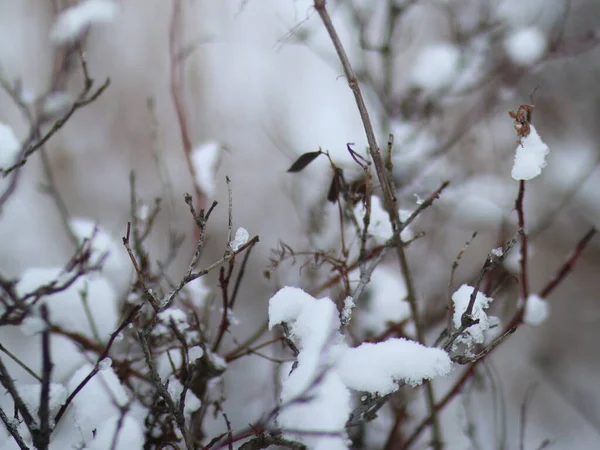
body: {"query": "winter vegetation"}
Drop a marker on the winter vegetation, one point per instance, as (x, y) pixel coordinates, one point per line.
(302, 224)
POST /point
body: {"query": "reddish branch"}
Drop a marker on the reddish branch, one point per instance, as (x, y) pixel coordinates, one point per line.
(517, 319)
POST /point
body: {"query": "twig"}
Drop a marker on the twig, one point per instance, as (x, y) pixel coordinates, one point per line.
(42, 439)
(569, 264)
(524, 253)
(154, 302)
(163, 392)
(13, 430)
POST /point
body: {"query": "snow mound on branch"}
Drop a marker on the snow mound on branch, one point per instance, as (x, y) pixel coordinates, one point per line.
(76, 20)
(475, 334)
(316, 391)
(530, 157)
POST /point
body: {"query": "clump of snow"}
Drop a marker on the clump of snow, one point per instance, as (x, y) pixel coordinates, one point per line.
(525, 46)
(240, 238)
(9, 146)
(530, 157)
(314, 324)
(105, 363)
(66, 308)
(377, 368)
(386, 294)
(536, 311)
(205, 159)
(76, 20)
(436, 67)
(326, 368)
(380, 227)
(116, 266)
(475, 333)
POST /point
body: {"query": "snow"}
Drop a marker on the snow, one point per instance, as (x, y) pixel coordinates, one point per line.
(376, 368)
(475, 333)
(66, 308)
(105, 364)
(327, 368)
(198, 291)
(240, 238)
(530, 157)
(205, 159)
(30, 394)
(9, 146)
(130, 436)
(525, 46)
(116, 266)
(175, 315)
(380, 227)
(98, 401)
(57, 103)
(74, 21)
(436, 67)
(536, 311)
(32, 325)
(385, 301)
(314, 327)
(346, 315)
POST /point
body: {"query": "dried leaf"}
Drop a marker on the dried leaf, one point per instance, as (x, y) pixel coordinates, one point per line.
(336, 186)
(304, 160)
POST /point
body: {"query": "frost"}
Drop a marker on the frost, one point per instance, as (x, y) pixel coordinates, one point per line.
(436, 67)
(525, 46)
(377, 368)
(74, 21)
(475, 333)
(205, 159)
(537, 310)
(240, 238)
(9, 146)
(530, 157)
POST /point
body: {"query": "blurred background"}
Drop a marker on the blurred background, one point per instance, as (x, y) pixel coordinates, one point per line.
(261, 79)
